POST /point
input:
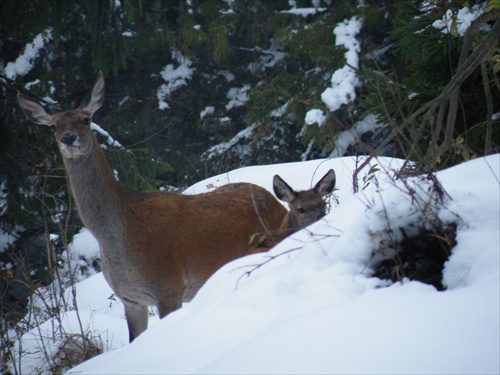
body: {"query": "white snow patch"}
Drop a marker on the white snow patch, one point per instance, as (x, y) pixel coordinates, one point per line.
(351, 137)
(237, 96)
(344, 80)
(304, 12)
(109, 139)
(280, 112)
(26, 61)
(82, 252)
(174, 77)
(207, 111)
(462, 19)
(221, 148)
(315, 116)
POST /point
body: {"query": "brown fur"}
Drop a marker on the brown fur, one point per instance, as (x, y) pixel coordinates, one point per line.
(157, 248)
(306, 207)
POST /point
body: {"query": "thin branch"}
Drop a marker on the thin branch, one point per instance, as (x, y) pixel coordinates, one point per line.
(489, 109)
(463, 72)
(255, 267)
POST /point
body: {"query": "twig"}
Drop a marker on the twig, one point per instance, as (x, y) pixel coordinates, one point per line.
(255, 267)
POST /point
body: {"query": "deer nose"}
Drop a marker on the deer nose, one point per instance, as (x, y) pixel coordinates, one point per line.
(68, 139)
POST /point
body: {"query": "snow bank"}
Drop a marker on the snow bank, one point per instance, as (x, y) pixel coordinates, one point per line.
(315, 308)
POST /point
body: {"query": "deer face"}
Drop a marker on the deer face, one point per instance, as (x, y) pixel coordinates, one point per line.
(71, 128)
(72, 133)
(307, 206)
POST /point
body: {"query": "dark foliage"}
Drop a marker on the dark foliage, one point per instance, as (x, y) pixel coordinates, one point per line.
(419, 257)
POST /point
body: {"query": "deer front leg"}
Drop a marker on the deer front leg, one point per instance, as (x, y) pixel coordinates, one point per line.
(137, 318)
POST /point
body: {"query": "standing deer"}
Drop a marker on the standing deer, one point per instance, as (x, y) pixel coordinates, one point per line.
(157, 248)
(306, 207)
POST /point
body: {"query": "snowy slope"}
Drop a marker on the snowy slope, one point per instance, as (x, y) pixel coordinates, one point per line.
(317, 309)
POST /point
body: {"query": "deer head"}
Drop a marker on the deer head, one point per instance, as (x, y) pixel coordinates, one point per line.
(71, 128)
(306, 206)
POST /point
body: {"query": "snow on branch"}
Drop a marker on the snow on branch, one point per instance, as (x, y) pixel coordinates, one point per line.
(344, 80)
(25, 62)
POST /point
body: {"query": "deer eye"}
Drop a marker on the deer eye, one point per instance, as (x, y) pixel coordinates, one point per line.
(301, 210)
(86, 120)
(53, 128)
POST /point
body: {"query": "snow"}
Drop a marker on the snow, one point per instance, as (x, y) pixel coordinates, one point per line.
(209, 110)
(317, 309)
(25, 62)
(345, 35)
(109, 139)
(269, 58)
(237, 96)
(220, 148)
(304, 12)
(129, 34)
(460, 20)
(344, 80)
(281, 111)
(315, 116)
(351, 137)
(82, 252)
(174, 77)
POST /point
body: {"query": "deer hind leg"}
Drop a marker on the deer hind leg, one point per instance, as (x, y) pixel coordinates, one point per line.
(137, 318)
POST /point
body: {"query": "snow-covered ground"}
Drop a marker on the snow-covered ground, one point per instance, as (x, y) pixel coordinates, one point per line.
(317, 309)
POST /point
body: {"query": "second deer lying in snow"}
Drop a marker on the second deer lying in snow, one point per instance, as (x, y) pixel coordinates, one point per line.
(306, 207)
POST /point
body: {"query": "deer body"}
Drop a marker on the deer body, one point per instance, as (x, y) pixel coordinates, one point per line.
(157, 248)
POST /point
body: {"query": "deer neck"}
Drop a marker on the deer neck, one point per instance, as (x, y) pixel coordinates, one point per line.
(288, 226)
(97, 194)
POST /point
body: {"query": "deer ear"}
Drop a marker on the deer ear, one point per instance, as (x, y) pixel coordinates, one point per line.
(326, 185)
(34, 111)
(282, 190)
(95, 97)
